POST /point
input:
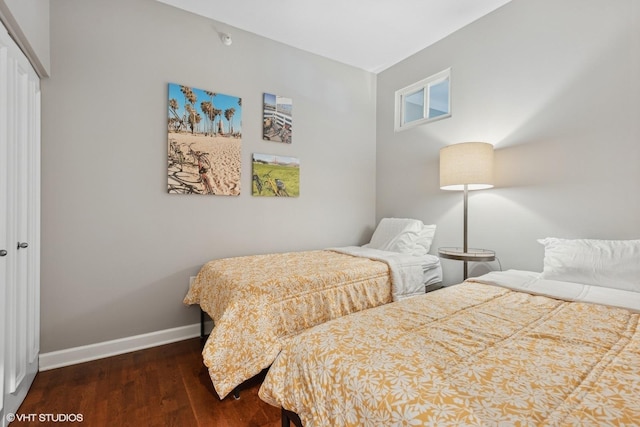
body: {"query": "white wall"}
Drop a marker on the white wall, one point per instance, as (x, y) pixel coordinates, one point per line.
(117, 249)
(554, 86)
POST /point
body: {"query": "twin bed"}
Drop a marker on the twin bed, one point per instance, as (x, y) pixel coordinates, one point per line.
(257, 302)
(508, 348)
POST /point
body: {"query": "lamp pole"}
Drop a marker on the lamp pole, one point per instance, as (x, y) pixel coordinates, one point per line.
(464, 231)
(466, 166)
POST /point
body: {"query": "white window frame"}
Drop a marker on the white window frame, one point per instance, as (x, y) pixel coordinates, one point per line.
(425, 85)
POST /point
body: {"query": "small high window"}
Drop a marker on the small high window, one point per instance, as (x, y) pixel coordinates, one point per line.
(425, 101)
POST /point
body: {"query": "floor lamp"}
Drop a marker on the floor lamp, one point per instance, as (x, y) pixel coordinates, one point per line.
(465, 167)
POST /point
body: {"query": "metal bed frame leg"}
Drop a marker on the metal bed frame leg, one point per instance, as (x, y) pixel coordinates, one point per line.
(289, 417)
(202, 324)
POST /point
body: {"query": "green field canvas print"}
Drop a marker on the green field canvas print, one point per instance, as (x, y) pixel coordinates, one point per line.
(275, 176)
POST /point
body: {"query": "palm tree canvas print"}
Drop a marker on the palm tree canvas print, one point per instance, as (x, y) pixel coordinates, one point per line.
(204, 141)
(275, 176)
(276, 121)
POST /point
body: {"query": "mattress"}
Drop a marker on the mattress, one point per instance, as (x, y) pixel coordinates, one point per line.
(409, 273)
(431, 272)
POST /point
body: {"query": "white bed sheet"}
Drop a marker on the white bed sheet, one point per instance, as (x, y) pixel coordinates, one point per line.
(431, 270)
(529, 281)
(409, 273)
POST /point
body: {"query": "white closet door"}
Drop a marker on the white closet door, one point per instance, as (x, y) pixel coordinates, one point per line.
(4, 212)
(19, 224)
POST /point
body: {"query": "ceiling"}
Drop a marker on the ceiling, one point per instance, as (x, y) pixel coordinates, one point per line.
(369, 34)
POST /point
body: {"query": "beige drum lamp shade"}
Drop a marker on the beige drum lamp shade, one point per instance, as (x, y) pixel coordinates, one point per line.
(467, 163)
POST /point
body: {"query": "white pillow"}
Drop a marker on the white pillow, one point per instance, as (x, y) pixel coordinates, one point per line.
(606, 263)
(425, 237)
(403, 235)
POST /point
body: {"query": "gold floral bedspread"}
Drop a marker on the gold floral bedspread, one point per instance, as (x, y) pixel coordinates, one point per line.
(257, 301)
(471, 354)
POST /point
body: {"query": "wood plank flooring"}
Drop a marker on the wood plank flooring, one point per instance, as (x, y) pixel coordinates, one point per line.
(161, 386)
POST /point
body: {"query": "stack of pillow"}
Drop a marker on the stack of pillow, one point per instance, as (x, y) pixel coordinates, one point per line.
(403, 235)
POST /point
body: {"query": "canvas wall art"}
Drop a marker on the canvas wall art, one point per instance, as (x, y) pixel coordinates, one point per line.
(275, 176)
(204, 141)
(277, 123)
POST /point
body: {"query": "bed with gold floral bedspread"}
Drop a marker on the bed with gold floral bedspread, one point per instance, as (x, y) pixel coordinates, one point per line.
(472, 354)
(258, 301)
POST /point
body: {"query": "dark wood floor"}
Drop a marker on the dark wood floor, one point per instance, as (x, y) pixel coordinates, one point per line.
(161, 386)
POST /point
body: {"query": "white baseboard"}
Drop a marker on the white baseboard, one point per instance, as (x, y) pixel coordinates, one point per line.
(86, 353)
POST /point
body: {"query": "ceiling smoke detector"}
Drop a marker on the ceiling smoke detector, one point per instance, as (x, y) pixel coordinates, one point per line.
(226, 39)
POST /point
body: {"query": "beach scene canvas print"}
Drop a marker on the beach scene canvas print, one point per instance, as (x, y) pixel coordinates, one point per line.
(204, 141)
(275, 176)
(277, 122)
